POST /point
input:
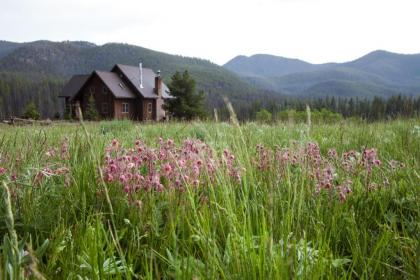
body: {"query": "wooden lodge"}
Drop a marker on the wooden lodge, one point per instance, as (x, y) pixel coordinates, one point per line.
(125, 92)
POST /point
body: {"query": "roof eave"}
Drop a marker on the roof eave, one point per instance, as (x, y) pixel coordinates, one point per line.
(77, 93)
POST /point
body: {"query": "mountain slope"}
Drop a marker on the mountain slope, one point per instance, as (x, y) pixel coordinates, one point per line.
(7, 47)
(58, 61)
(266, 65)
(347, 89)
(63, 59)
(378, 73)
(399, 69)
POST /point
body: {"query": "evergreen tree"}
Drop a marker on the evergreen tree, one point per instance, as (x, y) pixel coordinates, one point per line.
(187, 104)
(91, 112)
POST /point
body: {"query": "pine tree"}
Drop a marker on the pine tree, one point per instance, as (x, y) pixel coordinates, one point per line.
(91, 112)
(187, 103)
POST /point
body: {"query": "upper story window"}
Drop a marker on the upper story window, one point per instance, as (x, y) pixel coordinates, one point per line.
(92, 89)
(125, 108)
(105, 90)
(149, 107)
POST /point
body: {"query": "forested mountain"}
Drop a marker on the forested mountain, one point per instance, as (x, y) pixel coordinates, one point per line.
(30, 63)
(379, 73)
(7, 47)
(37, 71)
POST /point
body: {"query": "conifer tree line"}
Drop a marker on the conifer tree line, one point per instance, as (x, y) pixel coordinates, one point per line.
(18, 91)
(376, 108)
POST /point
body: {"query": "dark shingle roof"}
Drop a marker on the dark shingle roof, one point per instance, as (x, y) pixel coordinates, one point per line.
(148, 90)
(74, 85)
(115, 85)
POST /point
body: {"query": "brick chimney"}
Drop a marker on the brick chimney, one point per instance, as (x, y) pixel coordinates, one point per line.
(158, 84)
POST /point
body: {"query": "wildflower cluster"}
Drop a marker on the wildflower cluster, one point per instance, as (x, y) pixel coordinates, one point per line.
(48, 172)
(54, 164)
(165, 167)
(62, 152)
(330, 173)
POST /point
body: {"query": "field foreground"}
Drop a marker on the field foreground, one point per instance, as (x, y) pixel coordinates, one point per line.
(118, 200)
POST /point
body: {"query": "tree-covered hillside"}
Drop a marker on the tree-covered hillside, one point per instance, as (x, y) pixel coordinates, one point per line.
(16, 91)
(58, 61)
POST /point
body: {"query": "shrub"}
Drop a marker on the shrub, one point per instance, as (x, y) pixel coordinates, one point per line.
(323, 116)
(31, 112)
(263, 116)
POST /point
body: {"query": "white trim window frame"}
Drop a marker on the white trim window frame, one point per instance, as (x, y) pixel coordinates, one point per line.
(125, 108)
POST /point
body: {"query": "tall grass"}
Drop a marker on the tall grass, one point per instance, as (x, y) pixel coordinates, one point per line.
(261, 228)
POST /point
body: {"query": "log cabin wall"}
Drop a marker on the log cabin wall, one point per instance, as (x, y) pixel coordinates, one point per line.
(104, 100)
(126, 109)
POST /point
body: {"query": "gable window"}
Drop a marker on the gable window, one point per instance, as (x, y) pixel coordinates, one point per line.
(104, 108)
(92, 89)
(105, 90)
(125, 108)
(149, 107)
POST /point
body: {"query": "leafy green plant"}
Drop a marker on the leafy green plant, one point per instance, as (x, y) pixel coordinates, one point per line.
(31, 112)
(263, 116)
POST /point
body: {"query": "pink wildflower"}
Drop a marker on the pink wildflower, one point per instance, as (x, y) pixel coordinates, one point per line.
(123, 178)
(369, 159)
(13, 177)
(127, 189)
(332, 153)
(109, 177)
(344, 190)
(167, 169)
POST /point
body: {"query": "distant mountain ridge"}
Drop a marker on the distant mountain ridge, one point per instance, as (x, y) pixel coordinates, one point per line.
(243, 79)
(379, 73)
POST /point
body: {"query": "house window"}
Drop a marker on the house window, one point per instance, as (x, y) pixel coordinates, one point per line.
(149, 108)
(105, 90)
(92, 89)
(104, 108)
(125, 108)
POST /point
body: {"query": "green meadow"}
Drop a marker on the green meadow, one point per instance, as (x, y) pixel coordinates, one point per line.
(62, 218)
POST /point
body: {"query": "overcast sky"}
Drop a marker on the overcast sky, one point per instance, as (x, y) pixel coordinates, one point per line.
(314, 30)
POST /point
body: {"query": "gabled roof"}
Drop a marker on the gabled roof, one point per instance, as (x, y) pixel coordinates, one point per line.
(148, 91)
(74, 85)
(115, 84)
